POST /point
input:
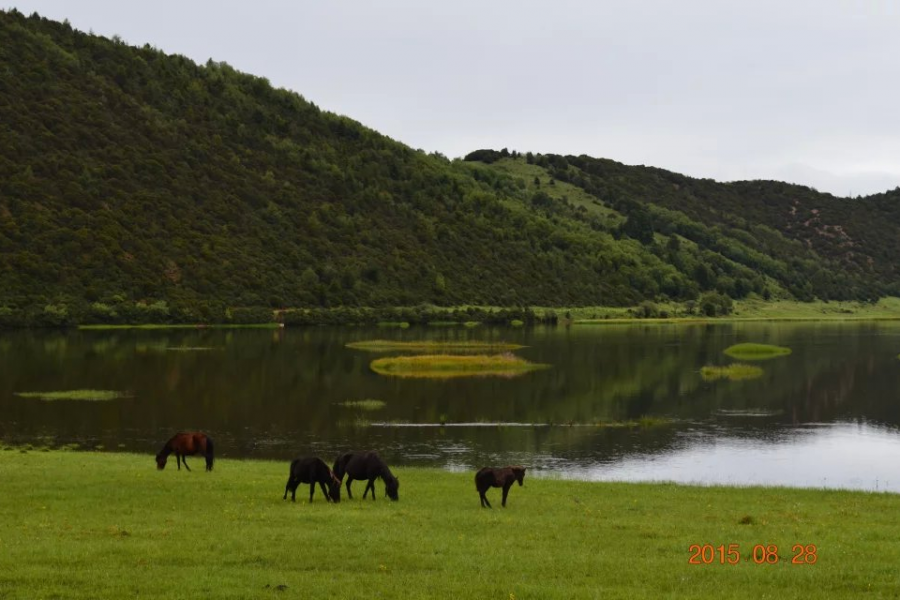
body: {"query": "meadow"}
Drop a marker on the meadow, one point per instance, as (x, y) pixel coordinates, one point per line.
(109, 525)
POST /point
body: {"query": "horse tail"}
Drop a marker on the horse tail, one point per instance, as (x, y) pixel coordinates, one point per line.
(210, 454)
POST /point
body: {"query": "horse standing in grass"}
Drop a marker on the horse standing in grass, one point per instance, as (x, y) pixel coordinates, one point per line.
(489, 477)
(366, 465)
(313, 470)
(186, 444)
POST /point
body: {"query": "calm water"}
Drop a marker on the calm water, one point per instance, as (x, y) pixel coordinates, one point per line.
(828, 415)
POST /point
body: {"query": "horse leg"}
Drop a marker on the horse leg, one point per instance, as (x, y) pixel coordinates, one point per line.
(370, 486)
(325, 491)
(312, 489)
(484, 500)
(349, 479)
(506, 487)
(178, 459)
(287, 486)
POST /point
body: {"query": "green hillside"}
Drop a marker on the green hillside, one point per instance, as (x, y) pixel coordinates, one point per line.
(138, 186)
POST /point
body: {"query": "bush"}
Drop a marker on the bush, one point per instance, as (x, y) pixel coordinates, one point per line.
(714, 304)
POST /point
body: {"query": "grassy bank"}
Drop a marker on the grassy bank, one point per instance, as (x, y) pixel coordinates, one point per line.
(751, 309)
(87, 525)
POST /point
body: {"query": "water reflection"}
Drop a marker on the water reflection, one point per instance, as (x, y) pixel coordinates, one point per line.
(841, 455)
(280, 393)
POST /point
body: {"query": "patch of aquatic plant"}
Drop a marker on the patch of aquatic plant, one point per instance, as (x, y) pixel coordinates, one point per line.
(444, 366)
(367, 404)
(433, 347)
(471, 324)
(356, 423)
(732, 372)
(751, 351)
(191, 348)
(517, 323)
(183, 326)
(648, 421)
(84, 395)
(643, 422)
(748, 412)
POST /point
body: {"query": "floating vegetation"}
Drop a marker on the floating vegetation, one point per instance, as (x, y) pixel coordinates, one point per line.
(750, 351)
(433, 347)
(355, 423)
(445, 366)
(84, 395)
(648, 421)
(732, 372)
(643, 422)
(748, 412)
(191, 348)
(367, 404)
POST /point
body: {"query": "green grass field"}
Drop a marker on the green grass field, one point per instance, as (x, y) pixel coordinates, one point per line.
(100, 525)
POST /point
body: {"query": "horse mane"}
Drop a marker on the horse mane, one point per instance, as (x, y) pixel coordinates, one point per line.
(340, 464)
(386, 473)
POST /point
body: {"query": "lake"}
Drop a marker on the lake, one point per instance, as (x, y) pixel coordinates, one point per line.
(827, 415)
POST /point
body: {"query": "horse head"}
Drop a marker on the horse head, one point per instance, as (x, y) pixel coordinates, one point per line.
(392, 487)
(334, 488)
(161, 461)
(519, 472)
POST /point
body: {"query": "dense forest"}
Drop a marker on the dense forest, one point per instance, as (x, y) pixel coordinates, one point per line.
(140, 186)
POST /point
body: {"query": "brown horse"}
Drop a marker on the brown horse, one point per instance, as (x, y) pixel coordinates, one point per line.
(366, 465)
(186, 444)
(313, 470)
(489, 477)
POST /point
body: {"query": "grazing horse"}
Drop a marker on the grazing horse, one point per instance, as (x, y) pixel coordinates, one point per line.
(313, 470)
(366, 465)
(186, 444)
(489, 477)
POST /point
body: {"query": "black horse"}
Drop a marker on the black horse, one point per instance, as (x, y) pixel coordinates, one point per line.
(184, 444)
(366, 465)
(489, 477)
(312, 470)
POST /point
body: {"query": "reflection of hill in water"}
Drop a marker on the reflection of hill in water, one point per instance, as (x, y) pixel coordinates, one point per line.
(277, 393)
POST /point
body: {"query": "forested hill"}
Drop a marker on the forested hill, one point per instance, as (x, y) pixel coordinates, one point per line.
(137, 183)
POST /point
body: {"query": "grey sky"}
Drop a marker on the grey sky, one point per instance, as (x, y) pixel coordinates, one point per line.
(803, 91)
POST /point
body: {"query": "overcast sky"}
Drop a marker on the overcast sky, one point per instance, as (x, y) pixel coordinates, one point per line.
(806, 91)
